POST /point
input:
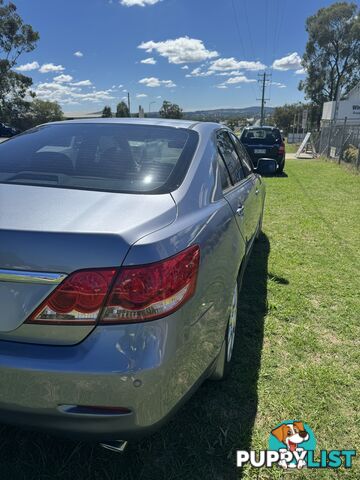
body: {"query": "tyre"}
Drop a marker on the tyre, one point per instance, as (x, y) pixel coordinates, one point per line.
(224, 361)
(281, 167)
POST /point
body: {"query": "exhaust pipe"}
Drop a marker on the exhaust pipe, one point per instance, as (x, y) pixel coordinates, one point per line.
(117, 446)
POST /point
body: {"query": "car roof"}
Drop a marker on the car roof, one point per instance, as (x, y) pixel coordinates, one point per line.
(134, 121)
(265, 127)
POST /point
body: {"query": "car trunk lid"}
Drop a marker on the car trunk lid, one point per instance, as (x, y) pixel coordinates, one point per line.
(52, 231)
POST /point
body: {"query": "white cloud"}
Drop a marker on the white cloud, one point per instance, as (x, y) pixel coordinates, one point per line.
(120, 86)
(197, 72)
(224, 64)
(230, 74)
(139, 3)
(50, 67)
(239, 79)
(289, 62)
(82, 83)
(149, 61)
(159, 96)
(253, 66)
(141, 95)
(27, 67)
(63, 78)
(155, 82)
(78, 54)
(221, 86)
(180, 50)
(69, 94)
(278, 84)
(301, 71)
(185, 67)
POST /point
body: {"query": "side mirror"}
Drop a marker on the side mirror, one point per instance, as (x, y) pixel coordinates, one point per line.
(266, 166)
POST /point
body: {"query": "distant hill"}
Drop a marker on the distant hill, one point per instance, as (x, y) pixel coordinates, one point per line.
(229, 112)
(217, 115)
(222, 113)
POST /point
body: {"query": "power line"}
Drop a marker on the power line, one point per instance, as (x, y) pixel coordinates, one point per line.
(238, 28)
(266, 31)
(249, 30)
(240, 38)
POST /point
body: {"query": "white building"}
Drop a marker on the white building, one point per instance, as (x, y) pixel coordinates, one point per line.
(348, 108)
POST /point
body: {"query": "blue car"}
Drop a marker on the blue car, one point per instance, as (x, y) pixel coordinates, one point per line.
(123, 243)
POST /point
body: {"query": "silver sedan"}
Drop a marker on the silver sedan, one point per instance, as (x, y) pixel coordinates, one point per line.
(123, 243)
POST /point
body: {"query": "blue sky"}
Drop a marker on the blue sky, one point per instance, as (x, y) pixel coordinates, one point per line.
(198, 53)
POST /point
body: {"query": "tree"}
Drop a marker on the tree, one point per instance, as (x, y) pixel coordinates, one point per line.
(332, 56)
(42, 111)
(38, 112)
(15, 38)
(106, 113)
(122, 110)
(283, 117)
(170, 110)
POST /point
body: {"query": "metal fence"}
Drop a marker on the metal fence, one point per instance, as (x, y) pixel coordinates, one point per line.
(340, 141)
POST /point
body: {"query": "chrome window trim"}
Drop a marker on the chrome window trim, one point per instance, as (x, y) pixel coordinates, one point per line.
(24, 276)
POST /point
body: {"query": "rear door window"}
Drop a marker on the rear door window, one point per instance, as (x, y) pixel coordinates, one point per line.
(230, 156)
(244, 157)
(224, 174)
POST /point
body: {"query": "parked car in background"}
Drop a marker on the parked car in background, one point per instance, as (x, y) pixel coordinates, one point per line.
(263, 142)
(7, 131)
(123, 243)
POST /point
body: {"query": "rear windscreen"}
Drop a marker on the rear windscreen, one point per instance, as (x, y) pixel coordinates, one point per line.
(94, 156)
(261, 136)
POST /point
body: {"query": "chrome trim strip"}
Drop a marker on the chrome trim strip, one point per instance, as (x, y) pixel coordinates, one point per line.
(39, 278)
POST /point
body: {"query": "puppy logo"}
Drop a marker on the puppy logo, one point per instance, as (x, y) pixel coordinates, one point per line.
(291, 434)
(293, 437)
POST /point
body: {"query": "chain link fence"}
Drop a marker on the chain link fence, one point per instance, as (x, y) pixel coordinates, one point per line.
(340, 141)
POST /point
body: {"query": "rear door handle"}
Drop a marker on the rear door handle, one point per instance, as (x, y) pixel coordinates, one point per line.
(240, 210)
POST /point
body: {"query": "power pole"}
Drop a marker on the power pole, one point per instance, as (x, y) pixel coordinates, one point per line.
(264, 79)
(128, 95)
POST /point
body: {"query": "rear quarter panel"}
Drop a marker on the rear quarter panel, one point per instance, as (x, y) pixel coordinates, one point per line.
(204, 218)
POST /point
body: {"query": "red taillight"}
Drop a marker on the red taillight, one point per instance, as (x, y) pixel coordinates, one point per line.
(78, 299)
(138, 293)
(153, 291)
(282, 148)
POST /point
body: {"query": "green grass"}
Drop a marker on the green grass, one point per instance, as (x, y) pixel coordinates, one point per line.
(291, 147)
(297, 353)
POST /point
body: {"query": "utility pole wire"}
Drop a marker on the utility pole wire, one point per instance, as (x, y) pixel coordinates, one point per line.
(264, 79)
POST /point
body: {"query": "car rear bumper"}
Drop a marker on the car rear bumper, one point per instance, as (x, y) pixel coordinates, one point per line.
(143, 368)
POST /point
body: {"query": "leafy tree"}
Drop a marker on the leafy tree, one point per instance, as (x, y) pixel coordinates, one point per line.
(15, 39)
(232, 123)
(106, 113)
(38, 112)
(332, 55)
(122, 110)
(283, 117)
(44, 111)
(170, 110)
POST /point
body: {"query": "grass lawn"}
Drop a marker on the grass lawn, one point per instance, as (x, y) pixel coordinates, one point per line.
(297, 353)
(291, 147)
